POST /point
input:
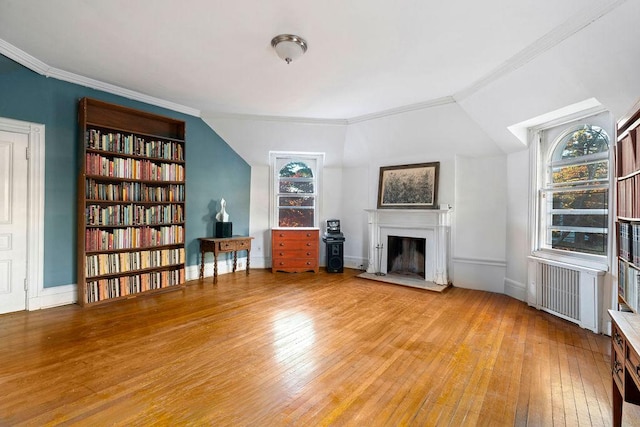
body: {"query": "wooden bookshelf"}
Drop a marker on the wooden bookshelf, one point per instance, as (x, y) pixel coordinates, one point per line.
(131, 203)
(628, 213)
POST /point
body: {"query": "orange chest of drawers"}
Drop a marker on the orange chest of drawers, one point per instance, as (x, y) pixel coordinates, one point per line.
(294, 251)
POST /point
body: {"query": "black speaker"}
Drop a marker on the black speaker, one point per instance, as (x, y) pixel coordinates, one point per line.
(335, 262)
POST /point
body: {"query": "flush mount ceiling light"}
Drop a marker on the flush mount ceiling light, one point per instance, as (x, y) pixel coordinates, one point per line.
(289, 47)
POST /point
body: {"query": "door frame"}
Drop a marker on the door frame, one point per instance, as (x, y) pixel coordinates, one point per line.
(35, 206)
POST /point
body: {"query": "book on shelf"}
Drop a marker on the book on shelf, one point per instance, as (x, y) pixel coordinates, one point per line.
(622, 278)
(134, 145)
(624, 240)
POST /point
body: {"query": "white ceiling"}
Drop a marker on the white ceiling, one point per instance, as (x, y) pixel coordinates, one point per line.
(364, 57)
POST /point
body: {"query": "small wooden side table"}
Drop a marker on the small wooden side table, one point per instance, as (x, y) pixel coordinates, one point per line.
(219, 245)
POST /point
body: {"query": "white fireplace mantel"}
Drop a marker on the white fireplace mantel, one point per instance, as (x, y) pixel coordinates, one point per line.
(433, 225)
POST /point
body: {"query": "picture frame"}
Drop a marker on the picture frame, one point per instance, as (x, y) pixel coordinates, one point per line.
(412, 186)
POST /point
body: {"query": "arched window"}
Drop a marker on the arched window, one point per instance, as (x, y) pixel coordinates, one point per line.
(575, 194)
(296, 181)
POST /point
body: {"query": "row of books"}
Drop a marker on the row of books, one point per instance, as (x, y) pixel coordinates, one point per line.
(128, 168)
(97, 239)
(629, 285)
(98, 290)
(628, 153)
(134, 145)
(133, 192)
(628, 204)
(121, 215)
(123, 262)
(629, 241)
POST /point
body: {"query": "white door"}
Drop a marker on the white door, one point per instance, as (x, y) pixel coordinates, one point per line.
(13, 221)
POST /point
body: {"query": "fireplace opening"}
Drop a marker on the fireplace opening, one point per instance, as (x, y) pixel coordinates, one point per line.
(405, 256)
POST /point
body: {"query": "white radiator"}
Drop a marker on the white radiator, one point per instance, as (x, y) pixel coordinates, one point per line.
(571, 292)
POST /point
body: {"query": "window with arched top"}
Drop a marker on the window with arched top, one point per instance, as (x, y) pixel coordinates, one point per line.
(295, 189)
(574, 196)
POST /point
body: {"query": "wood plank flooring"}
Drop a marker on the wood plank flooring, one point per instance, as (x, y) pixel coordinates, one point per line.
(303, 350)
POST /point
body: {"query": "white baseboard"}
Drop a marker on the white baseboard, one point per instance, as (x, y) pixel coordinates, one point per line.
(515, 289)
(192, 272)
(53, 297)
(355, 263)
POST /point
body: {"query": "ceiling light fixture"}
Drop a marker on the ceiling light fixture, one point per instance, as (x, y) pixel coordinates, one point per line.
(289, 47)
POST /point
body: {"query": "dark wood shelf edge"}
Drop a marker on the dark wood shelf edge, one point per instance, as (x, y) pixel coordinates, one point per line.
(91, 124)
(142, 181)
(169, 267)
(145, 248)
(133, 156)
(136, 295)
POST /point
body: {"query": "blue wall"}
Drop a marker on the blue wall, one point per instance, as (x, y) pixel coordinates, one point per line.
(214, 170)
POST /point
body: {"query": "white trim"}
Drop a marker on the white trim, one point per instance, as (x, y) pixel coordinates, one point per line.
(515, 289)
(340, 122)
(593, 113)
(40, 67)
(318, 170)
(287, 119)
(481, 261)
(54, 296)
(357, 263)
(404, 109)
(35, 203)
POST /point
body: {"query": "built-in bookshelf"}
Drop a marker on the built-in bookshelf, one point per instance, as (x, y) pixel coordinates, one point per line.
(131, 203)
(628, 213)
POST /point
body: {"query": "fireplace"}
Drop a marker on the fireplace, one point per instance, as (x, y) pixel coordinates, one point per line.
(405, 256)
(406, 225)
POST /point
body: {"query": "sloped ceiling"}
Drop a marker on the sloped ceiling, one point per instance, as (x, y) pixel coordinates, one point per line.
(365, 56)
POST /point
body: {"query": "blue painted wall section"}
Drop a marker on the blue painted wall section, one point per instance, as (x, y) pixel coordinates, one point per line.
(214, 170)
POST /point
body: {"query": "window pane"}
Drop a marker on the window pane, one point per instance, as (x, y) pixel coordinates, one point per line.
(295, 201)
(587, 199)
(582, 142)
(592, 243)
(288, 217)
(296, 170)
(294, 186)
(568, 220)
(585, 172)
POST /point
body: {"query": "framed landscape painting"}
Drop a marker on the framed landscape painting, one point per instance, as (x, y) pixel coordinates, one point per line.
(409, 186)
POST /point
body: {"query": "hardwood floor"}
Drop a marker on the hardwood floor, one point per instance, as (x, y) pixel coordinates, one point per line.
(303, 349)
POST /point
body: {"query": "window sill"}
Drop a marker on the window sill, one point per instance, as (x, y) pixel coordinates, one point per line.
(593, 262)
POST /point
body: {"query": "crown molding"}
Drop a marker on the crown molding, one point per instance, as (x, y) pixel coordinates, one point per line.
(340, 122)
(41, 68)
(543, 44)
(257, 117)
(404, 109)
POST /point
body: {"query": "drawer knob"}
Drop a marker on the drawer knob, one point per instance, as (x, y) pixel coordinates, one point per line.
(281, 244)
(617, 339)
(308, 244)
(308, 263)
(617, 367)
(308, 253)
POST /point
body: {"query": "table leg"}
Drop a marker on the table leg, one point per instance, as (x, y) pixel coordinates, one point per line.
(248, 262)
(201, 264)
(235, 260)
(215, 267)
(617, 405)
